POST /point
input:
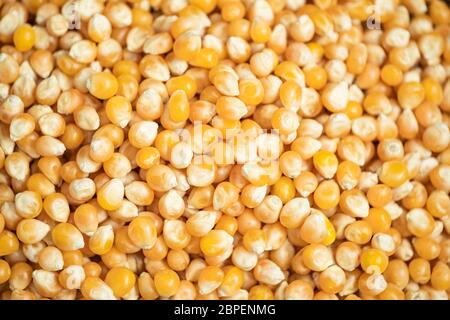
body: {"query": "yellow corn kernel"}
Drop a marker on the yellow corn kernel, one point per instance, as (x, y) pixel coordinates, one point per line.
(327, 195)
(259, 31)
(118, 110)
(290, 95)
(215, 242)
(410, 94)
(232, 282)
(187, 46)
(255, 241)
(251, 91)
(260, 292)
(102, 240)
(331, 233)
(209, 279)
(24, 38)
(315, 77)
(5, 271)
(353, 110)
(374, 261)
(379, 220)
(206, 5)
(31, 231)
(284, 188)
(325, 163)
(111, 194)
(8, 243)
(205, 58)
(120, 280)
(167, 283)
(95, 288)
(103, 85)
(178, 106)
(67, 237)
(391, 74)
(185, 83)
(359, 232)
(286, 121)
(142, 232)
(393, 173)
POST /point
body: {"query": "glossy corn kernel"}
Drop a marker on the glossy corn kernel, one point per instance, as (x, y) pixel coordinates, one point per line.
(111, 194)
(284, 188)
(317, 229)
(327, 196)
(57, 207)
(147, 157)
(232, 282)
(325, 163)
(391, 75)
(5, 271)
(67, 237)
(259, 31)
(101, 240)
(260, 292)
(440, 276)
(185, 83)
(120, 280)
(161, 178)
(374, 261)
(103, 85)
(410, 94)
(118, 109)
(359, 232)
(379, 220)
(317, 257)
(8, 243)
(95, 288)
(215, 243)
(205, 58)
(167, 282)
(332, 280)
(178, 106)
(290, 95)
(420, 270)
(393, 173)
(24, 38)
(31, 231)
(379, 195)
(209, 279)
(142, 232)
(315, 77)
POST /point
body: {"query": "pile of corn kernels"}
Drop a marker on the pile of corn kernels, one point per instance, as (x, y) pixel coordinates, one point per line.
(224, 149)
